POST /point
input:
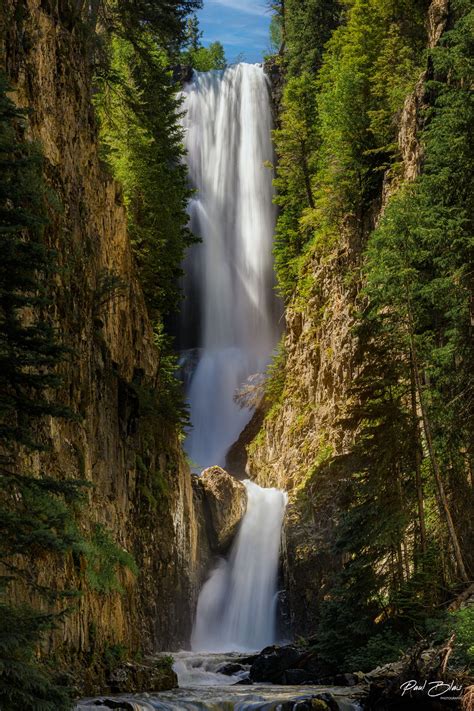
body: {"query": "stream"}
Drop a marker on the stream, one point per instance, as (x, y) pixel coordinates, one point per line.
(203, 688)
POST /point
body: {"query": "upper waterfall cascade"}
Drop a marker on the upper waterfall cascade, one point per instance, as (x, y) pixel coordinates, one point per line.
(229, 321)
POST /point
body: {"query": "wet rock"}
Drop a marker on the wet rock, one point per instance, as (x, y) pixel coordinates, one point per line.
(273, 68)
(230, 668)
(182, 73)
(318, 702)
(112, 704)
(156, 675)
(236, 458)
(296, 677)
(327, 699)
(272, 662)
(244, 681)
(226, 503)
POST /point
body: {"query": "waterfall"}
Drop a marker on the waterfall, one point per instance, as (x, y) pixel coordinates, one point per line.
(237, 606)
(229, 321)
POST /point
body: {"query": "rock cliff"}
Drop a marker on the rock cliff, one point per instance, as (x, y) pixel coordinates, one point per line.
(305, 428)
(141, 486)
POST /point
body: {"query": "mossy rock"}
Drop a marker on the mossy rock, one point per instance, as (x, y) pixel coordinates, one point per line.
(152, 676)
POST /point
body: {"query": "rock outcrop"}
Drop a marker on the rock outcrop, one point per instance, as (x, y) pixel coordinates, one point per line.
(223, 501)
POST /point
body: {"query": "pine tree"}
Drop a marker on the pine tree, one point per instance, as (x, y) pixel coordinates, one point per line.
(35, 516)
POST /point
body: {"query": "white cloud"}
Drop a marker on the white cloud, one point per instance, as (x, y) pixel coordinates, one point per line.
(247, 6)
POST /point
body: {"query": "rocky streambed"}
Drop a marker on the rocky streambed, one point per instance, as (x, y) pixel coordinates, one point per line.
(224, 682)
(287, 678)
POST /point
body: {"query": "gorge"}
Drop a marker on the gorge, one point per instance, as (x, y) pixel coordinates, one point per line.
(288, 524)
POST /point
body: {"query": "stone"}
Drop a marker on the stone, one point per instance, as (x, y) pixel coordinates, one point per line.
(156, 675)
(226, 503)
(272, 662)
(182, 73)
(294, 677)
(121, 451)
(319, 702)
(229, 668)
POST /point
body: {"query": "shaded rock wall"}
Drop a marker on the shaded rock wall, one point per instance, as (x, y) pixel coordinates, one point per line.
(141, 484)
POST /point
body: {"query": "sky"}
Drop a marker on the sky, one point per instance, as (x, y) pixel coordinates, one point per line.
(240, 25)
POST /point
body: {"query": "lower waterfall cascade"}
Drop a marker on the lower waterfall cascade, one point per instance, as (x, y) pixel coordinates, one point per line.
(236, 609)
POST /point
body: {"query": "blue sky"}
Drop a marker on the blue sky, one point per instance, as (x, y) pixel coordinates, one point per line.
(241, 26)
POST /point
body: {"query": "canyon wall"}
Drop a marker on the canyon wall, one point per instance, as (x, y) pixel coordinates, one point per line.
(306, 427)
(140, 490)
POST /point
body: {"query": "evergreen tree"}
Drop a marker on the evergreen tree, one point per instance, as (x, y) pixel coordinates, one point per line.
(201, 58)
(403, 530)
(35, 516)
(139, 114)
(407, 530)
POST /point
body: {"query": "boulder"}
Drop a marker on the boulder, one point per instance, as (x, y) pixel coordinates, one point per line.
(230, 668)
(153, 675)
(272, 662)
(317, 702)
(296, 677)
(225, 501)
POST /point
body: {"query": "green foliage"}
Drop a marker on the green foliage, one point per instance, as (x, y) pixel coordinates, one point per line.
(138, 111)
(276, 33)
(201, 58)
(275, 380)
(307, 27)
(35, 510)
(114, 655)
(204, 59)
(133, 20)
(295, 142)
(104, 558)
(414, 357)
(336, 138)
(381, 648)
(339, 120)
(458, 625)
(23, 685)
(164, 397)
(463, 623)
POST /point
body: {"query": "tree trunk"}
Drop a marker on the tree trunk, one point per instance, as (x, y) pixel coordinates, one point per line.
(435, 467)
(418, 479)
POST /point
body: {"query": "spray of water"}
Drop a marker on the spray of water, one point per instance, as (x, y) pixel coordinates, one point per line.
(230, 313)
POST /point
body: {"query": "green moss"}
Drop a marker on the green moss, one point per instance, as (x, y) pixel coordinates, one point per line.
(104, 560)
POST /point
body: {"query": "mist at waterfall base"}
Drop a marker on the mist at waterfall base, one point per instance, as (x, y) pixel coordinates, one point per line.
(228, 325)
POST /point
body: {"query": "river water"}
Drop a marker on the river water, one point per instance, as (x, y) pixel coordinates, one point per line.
(202, 688)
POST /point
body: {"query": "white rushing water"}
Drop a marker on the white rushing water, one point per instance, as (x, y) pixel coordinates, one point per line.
(237, 606)
(229, 320)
